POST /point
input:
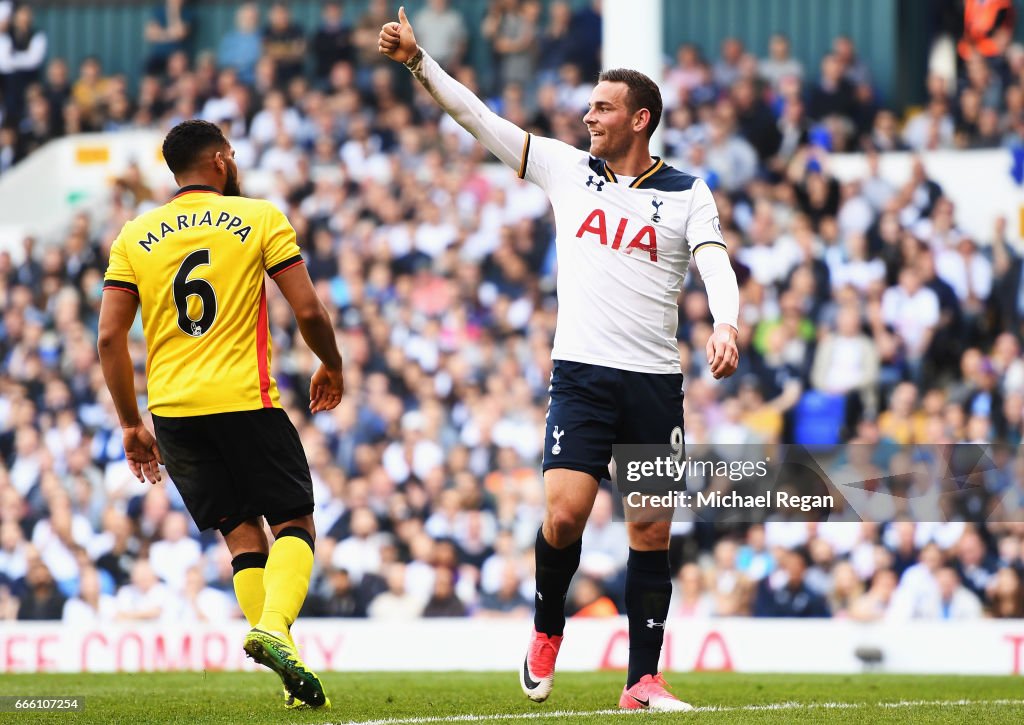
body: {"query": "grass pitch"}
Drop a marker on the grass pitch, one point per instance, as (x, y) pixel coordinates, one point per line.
(419, 698)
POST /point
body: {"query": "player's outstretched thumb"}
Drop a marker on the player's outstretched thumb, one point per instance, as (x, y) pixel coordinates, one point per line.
(401, 16)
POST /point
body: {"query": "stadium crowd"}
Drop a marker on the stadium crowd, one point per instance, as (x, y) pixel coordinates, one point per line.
(861, 299)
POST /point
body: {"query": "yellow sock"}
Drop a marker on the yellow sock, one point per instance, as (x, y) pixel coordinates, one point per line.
(248, 580)
(286, 580)
(250, 593)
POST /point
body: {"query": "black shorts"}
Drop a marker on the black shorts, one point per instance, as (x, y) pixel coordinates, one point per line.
(593, 407)
(230, 467)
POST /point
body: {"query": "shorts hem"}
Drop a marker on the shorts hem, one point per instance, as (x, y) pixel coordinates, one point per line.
(597, 472)
(279, 517)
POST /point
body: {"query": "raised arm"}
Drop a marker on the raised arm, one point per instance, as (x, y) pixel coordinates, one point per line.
(501, 137)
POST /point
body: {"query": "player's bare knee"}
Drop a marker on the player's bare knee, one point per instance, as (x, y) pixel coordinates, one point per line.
(248, 536)
(649, 535)
(563, 528)
(302, 522)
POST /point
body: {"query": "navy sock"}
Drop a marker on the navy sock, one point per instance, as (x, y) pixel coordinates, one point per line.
(648, 591)
(555, 568)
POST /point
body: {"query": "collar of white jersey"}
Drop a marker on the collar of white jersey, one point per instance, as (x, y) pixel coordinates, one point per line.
(659, 176)
(601, 167)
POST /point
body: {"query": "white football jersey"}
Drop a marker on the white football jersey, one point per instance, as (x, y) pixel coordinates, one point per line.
(623, 250)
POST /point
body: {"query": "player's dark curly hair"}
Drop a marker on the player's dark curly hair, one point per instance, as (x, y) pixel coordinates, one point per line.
(643, 93)
(187, 141)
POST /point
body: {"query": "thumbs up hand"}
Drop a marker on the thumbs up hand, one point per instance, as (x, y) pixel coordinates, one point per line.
(397, 41)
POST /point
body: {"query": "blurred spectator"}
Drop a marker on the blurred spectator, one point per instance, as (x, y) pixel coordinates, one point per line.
(201, 603)
(885, 132)
(91, 605)
(988, 28)
(36, 128)
(975, 567)
(1008, 285)
(913, 312)
(90, 90)
(685, 79)
(336, 597)
(441, 31)
(332, 41)
(57, 539)
(365, 37)
(1006, 594)
(41, 599)
(175, 554)
(968, 272)
(396, 603)
(146, 598)
(918, 585)
(242, 47)
(360, 552)
(728, 585)
(931, 128)
(732, 159)
(443, 602)
(846, 361)
(588, 600)
(833, 94)
(168, 31)
(873, 605)
(903, 424)
(510, 27)
(727, 68)
(950, 600)
(9, 152)
(753, 559)
(756, 122)
(779, 64)
(585, 39)
(13, 552)
(691, 598)
(605, 544)
(844, 591)
(275, 118)
(854, 69)
(284, 43)
(555, 42)
(785, 593)
(507, 600)
(22, 55)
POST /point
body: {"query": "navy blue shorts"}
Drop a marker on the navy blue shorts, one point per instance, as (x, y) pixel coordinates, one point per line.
(593, 407)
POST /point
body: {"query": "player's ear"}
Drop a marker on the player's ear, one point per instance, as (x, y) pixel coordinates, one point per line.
(640, 119)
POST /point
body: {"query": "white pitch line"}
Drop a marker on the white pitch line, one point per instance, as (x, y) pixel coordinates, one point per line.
(710, 708)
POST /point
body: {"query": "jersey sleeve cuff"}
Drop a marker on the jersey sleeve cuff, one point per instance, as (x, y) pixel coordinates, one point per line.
(712, 243)
(121, 285)
(284, 266)
(525, 157)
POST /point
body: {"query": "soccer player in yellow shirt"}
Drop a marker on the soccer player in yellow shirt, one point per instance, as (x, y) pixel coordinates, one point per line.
(197, 266)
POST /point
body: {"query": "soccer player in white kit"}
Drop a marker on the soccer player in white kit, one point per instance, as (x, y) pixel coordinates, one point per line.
(626, 227)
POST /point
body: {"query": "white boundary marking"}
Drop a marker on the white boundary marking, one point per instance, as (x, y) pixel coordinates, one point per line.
(514, 717)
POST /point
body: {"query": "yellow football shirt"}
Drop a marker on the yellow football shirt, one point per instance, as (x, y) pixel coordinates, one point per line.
(198, 266)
